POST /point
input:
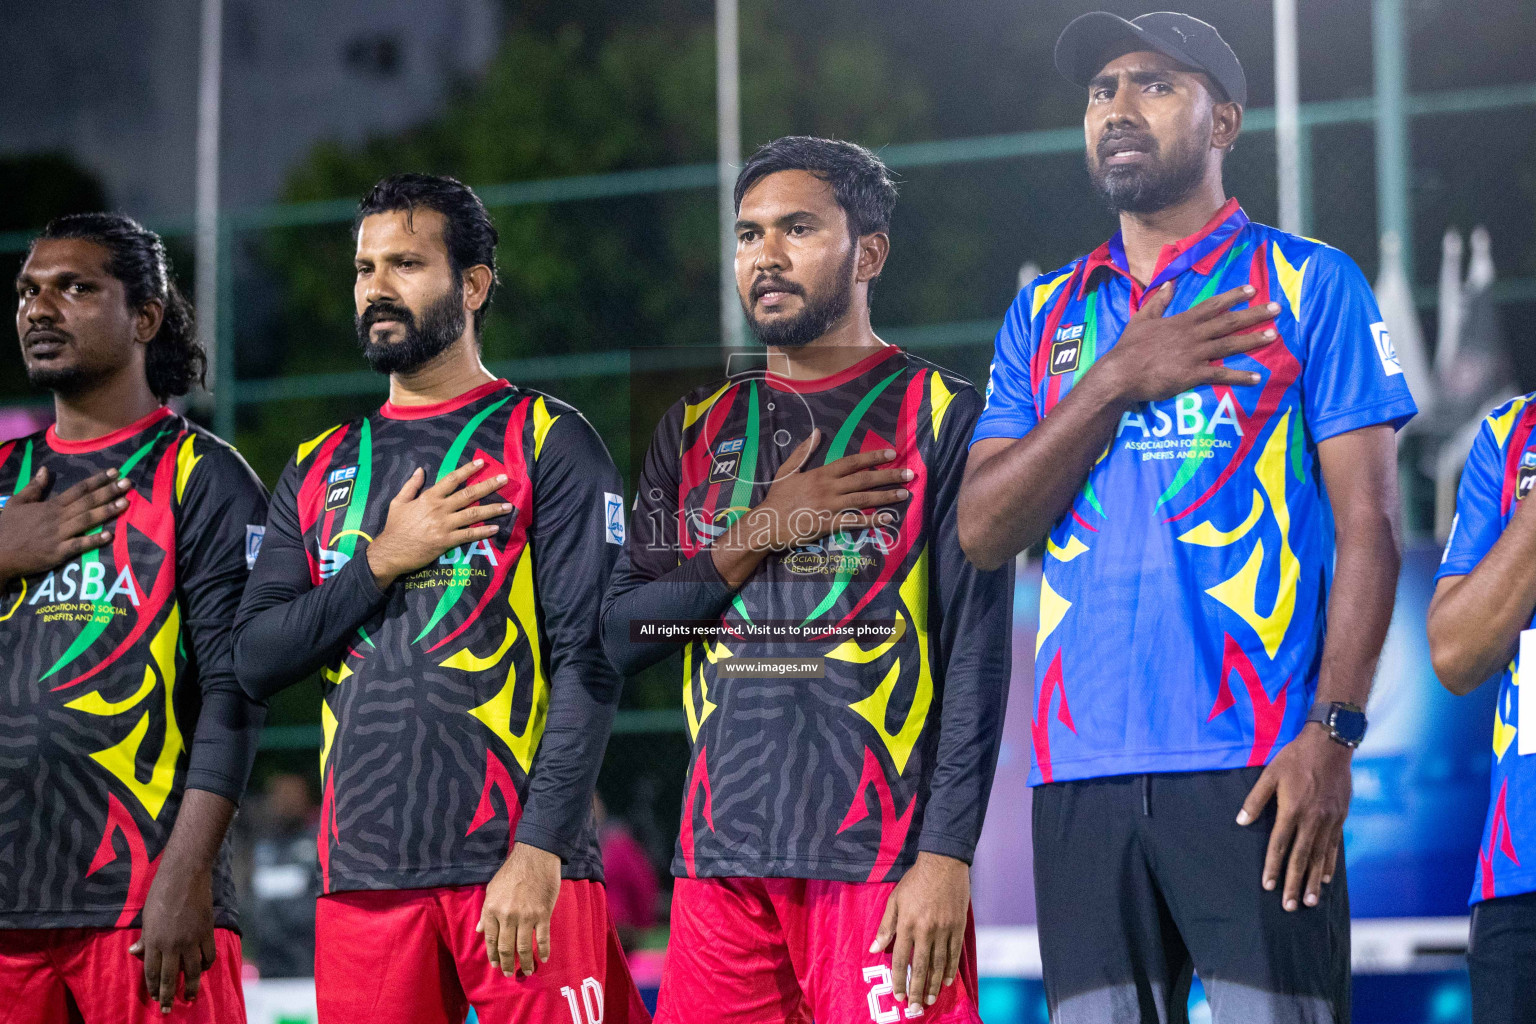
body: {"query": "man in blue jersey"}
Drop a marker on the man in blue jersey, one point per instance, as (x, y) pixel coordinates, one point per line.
(1195, 418)
(1480, 628)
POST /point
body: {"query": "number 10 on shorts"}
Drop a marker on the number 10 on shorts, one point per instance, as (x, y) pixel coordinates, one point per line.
(590, 1009)
(883, 1008)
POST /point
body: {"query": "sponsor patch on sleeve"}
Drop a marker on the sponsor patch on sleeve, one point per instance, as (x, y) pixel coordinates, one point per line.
(613, 510)
(253, 536)
(1385, 349)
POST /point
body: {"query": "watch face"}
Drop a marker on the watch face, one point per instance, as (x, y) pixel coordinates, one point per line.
(1348, 725)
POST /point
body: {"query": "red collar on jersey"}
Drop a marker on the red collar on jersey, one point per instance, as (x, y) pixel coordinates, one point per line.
(843, 376)
(96, 444)
(421, 412)
(1199, 252)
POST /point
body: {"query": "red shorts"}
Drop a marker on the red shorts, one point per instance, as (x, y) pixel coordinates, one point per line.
(412, 956)
(759, 950)
(73, 975)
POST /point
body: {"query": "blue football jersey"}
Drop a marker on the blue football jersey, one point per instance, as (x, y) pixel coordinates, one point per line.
(1183, 603)
(1498, 476)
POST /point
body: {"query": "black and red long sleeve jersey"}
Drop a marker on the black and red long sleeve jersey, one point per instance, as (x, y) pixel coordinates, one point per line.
(117, 685)
(467, 706)
(891, 750)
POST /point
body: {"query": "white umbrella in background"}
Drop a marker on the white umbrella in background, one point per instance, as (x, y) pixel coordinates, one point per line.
(1450, 300)
(1480, 369)
(1474, 378)
(1401, 347)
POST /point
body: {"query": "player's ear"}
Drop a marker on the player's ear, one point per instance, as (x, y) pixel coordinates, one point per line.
(1226, 123)
(146, 322)
(477, 285)
(873, 249)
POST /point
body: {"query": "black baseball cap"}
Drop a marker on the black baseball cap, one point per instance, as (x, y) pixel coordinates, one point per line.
(1091, 41)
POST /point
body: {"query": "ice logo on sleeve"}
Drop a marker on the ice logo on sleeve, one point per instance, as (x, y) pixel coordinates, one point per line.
(1385, 349)
(1526, 476)
(613, 505)
(253, 537)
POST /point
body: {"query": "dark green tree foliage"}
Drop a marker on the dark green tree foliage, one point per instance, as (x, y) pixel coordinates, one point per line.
(593, 275)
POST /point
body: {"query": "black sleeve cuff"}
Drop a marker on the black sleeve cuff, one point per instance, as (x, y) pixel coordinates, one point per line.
(218, 785)
(531, 834)
(366, 586)
(946, 846)
(701, 570)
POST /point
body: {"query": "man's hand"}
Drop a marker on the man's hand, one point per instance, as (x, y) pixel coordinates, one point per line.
(422, 524)
(1310, 781)
(178, 930)
(1160, 356)
(926, 915)
(803, 505)
(38, 532)
(518, 905)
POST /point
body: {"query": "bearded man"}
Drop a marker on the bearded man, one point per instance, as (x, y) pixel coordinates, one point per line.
(805, 517)
(1194, 418)
(440, 562)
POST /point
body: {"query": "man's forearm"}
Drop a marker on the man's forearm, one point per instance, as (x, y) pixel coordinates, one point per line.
(584, 697)
(1359, 609)
(1475, 620)
(286, 629)
(693, 590)
(1013, 498)
(201, 822)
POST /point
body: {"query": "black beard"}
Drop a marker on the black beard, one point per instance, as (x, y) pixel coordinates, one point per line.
(818, 316)
(64, 380)
(441, 324)
(1150, 187)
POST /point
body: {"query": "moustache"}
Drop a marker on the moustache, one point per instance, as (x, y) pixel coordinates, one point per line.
(775, 284)
(1111, 142)
(36, 334)
(386, 311)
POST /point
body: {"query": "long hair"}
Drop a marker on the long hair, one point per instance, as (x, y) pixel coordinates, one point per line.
(174, 359)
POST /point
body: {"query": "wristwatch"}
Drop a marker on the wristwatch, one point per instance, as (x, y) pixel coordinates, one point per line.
(1345, 722)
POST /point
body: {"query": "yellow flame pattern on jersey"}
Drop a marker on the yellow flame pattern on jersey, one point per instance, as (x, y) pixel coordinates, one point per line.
(875, 708)
(19, 598)
(542, 421)
(939, 397)
(122, 759)
(1290, 279)
(496, 713)
(1208, 535)
(1073, 548)
(1503, 731)
(1240, 593)
(1043, 292)
(714, 653)
(186, 460)
(313, 443)
(1502, 425)
(692, 412)
(337, 674)
(327, 732)
(1053, 608)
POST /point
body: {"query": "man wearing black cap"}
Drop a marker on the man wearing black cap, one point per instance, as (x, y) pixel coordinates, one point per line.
(1198, 420)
